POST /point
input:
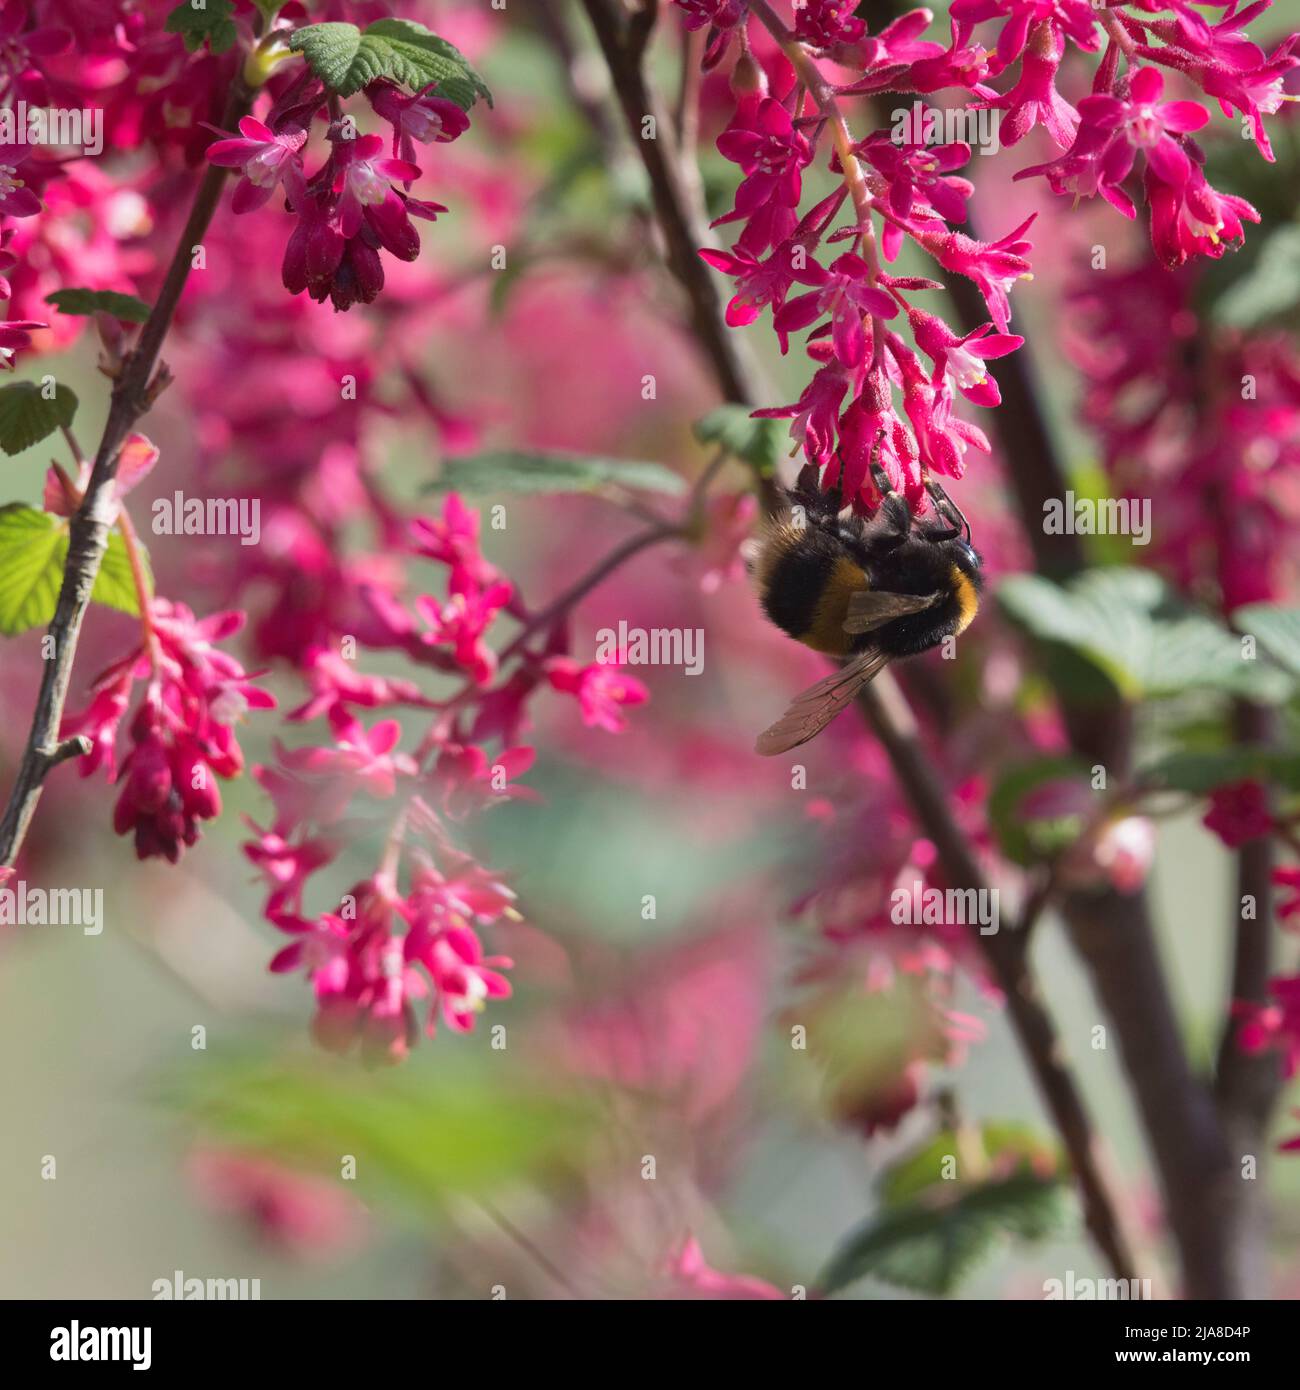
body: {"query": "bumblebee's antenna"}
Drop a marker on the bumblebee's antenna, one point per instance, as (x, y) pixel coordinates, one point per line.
(946, 507)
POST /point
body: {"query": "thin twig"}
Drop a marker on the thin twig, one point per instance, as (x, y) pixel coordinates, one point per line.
(141, 380)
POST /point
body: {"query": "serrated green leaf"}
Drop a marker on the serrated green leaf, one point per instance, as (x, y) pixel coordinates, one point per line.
(78, 301)
(928, 1246)
(206, 22)
(514, 471)
(1133, 627)
(346, 58)
(115, 584)
(31, 568)
(33, 553)
(27, 416)
(1277, 630)
(756, 442)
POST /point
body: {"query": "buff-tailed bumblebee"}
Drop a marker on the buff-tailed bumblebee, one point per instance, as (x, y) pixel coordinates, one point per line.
(867, 591)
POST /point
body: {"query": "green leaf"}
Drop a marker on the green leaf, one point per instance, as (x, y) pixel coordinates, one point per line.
(31, 568)
(518, 472)
(1277, 630)
(756, 442)
(923, 1170)
(346, 59)
(123, 306)
(1200, 772)
(1270, 289)
(428, 1133)
(269, 8)
(33, 552)
(1130, 625)
(204, 21)
(1026, 841)
(115, 584)
(27, 416)
(929, 1245)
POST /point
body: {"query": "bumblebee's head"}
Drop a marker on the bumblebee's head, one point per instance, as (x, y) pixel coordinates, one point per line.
(967, 558)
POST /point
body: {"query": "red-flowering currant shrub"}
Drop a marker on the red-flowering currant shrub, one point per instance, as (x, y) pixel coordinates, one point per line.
(893, 212)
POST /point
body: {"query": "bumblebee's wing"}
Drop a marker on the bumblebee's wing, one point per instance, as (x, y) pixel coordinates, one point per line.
(872, 608)
(810, 712)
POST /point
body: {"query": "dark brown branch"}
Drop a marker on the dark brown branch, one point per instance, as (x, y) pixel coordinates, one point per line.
(141, 380)
(884, 706)
(622, 42)
(887, 712)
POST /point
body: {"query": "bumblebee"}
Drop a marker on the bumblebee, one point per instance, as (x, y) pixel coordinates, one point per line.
(866, 591)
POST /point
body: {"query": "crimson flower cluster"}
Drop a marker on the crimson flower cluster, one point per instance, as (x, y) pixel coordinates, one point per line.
(412, 930)
(826, 270)
(181, 738)
(359, 201)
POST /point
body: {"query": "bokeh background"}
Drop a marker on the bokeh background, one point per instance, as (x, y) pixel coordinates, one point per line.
(626, 1037)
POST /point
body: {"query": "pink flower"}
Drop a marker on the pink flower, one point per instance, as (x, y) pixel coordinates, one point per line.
(772, 153)
(815, 414)
(266, 158)
(1194, 220)
(719, 14)
(17, 199)
(453, 539)
(918, 178)
(1151, 125)
(462, 622)
(23, 52)
(847, 295)
(1034, 99)
(1248, 82)
(602, 691)
(962, 359)
(825, 23)
(1124, 852)
(361, 760)
(1274, 1026)
(995, 266)
(423, 117)
(1239, 813)
(303, 1215)
(15, 335)
(471, 781)
(363, 182)
(464, 979)
(182, 736)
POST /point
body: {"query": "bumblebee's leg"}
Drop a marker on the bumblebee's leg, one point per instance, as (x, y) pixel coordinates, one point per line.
(894, 514)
